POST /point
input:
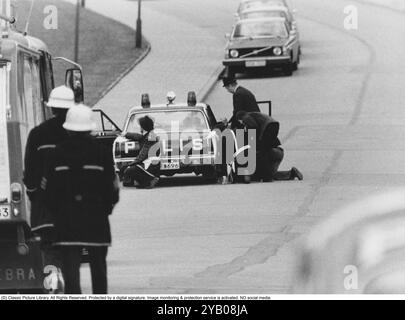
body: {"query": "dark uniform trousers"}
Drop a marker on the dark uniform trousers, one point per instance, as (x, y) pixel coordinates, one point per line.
(270, 154)
(268, 163)
(71, 261)
(139, 174)
(136, 171)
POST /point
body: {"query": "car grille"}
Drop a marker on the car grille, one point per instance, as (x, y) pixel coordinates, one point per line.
(265, 53)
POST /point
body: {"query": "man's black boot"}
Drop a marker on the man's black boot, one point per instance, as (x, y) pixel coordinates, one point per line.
(296, 174)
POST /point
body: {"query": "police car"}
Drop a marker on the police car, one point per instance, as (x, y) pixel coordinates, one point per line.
(184, 132)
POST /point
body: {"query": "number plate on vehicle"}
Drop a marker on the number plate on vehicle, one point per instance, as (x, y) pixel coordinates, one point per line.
(255, 64)
(5, 212)
(174, 165)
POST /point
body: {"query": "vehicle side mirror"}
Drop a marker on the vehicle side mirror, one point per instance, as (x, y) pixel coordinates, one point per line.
(74, 80)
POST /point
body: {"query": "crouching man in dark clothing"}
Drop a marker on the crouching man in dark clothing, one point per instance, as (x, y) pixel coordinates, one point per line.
(269, 151)
(81, 190)
(136, 172)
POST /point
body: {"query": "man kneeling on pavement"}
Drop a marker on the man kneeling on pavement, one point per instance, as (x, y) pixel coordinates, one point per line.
(269, 151)
(137, 173)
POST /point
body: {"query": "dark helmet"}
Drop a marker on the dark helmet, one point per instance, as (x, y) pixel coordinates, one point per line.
(146, 123)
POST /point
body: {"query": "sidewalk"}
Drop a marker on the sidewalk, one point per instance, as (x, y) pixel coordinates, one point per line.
(183, 57)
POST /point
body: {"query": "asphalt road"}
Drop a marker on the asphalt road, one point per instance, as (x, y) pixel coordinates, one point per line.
(342, 121)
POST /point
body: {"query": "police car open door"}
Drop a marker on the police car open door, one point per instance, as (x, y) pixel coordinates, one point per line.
(106, 129)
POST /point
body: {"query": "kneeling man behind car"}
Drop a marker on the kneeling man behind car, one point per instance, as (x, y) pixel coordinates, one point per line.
(136, 172)
(269, 151)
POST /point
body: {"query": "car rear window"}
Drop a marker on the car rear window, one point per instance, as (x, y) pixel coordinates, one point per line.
(260, 29)
(264, 14)
(254, 4)
(169, 121)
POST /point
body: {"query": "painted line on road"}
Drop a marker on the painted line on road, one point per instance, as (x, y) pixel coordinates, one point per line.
(291, 133)
(304, 208)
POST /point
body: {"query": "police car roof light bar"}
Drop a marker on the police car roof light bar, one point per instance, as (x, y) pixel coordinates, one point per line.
(145, 101)
(171, 96)
(192, 99)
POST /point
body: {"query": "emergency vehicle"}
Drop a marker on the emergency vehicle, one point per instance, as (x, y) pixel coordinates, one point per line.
(26, 80)
(183, 130)
(191, 140)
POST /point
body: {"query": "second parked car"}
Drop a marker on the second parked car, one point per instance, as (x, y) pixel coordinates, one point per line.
(262, 43)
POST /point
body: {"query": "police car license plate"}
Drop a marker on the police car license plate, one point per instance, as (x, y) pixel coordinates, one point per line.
(174, 165)
(253, 64)
(5, 213)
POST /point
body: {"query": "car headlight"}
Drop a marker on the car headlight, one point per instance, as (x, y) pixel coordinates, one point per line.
(278, 51)
(234, 53)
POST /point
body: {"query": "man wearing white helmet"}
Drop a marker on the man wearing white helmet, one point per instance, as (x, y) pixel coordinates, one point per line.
(41, 141)
(81, 191)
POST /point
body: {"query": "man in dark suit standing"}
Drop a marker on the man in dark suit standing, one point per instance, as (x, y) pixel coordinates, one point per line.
(243, 99)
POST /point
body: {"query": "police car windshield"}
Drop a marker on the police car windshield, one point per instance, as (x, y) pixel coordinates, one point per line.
(253, 29)
(171, 121)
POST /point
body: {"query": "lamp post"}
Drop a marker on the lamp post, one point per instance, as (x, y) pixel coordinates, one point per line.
(77, 31)
(139, 26)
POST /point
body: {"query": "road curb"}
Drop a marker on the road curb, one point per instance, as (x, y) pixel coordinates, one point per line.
(210, 84)
(125, 73)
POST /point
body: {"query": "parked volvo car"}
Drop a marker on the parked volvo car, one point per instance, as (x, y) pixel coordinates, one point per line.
(262, 43)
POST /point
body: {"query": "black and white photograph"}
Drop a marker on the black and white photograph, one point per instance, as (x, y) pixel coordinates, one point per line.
(195, 149)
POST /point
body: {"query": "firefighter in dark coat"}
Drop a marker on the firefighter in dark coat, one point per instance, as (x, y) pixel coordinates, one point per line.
(145, 177)
(41, 142)
(81, 191)
(243, 100)
(269, 151)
